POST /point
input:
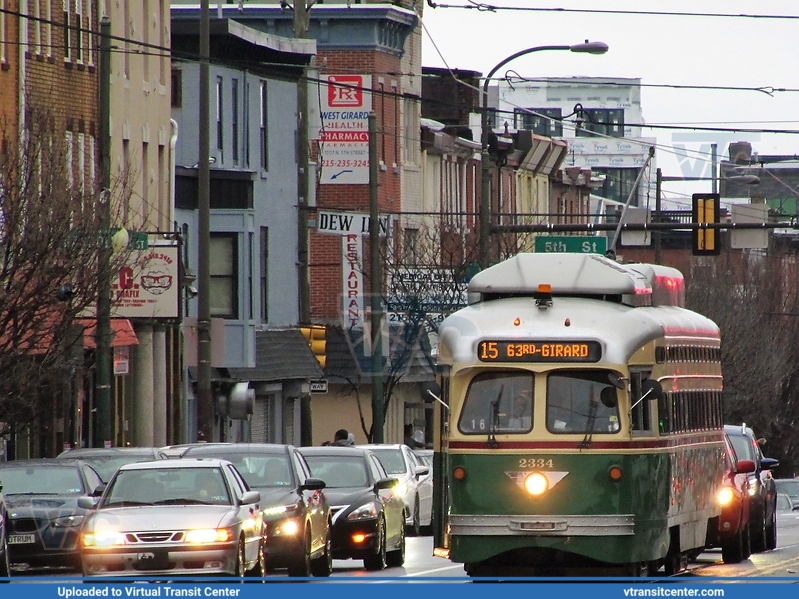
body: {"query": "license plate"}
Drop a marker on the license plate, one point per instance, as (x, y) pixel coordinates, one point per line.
(21, 539)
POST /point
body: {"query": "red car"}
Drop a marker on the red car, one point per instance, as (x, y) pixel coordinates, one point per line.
(733, 496)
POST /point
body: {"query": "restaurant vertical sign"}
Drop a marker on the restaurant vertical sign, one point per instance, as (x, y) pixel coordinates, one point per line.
(346, 101)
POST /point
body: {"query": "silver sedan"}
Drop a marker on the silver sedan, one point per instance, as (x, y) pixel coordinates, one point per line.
(187, 517)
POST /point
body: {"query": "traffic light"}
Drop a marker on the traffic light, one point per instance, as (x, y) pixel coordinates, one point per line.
(315, 336)
(706, 208)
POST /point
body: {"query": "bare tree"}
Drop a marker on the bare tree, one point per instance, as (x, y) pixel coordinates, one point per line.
(753, 298)
(50, 240)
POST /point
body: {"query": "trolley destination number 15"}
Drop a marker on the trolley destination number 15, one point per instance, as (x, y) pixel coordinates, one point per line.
(516, 350)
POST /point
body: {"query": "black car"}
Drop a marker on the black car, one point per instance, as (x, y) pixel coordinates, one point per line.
(368, 514)
(5, 564)
(106, 460)
(294, 507)
(762, 488)
(43, 514)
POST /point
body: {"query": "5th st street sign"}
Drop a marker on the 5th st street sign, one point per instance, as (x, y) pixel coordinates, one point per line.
(571, 245)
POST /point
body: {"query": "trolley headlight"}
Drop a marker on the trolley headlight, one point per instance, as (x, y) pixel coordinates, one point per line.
(536, 483)
(725, 496)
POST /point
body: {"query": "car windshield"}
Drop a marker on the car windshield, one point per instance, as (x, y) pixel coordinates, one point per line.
(41, 481)
(169, 486)
(392, 460)
(789, 487)
(339, 471)
(783, 502)
(106, 465)
(258, 470)
(742, 447)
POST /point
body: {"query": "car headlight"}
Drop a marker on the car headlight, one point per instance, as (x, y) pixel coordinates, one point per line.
(277, 510)
(287, 528)
(367, 511)
(725, 496)
(753, 489)
(103, 538)
(201, 536)
(401, 489)
(67, 521)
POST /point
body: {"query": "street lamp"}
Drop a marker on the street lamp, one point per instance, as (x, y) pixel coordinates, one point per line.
(485, 200)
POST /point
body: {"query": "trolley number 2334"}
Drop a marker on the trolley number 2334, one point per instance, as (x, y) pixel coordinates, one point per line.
(535, 463)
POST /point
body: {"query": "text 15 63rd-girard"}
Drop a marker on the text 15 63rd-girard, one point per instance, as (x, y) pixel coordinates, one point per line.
(538, 351)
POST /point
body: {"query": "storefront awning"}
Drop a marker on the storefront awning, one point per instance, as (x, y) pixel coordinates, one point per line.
(122, 332)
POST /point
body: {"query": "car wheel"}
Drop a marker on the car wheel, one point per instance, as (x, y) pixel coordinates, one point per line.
(301, 567)
(771, 531)
(732, 550)
(377, 561)
(241, 560)
(396, 557)
(5, 565)
(323, 565)
(259, 571)
(416, 527)
(747, 542)
(759, 536)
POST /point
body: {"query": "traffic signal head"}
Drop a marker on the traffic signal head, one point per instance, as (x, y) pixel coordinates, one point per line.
(315, 336)
(705, 209)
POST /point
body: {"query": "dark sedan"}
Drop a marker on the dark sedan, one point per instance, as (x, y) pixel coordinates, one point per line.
(368, 514)
(294, 507)
(43, 514)
(762, 488)
(5, 565)
(106, 460)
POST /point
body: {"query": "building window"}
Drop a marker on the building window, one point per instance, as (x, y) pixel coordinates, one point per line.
(219, 109)
(246, 124)
(264, 274)
(48, 27)
(163, 40)
(410, 237)
(605, 121)
(177, 88)
(145, 26)
(67, 35)
(89, 45)
(234, 115)
(540, 125)
(145, 180)
(79, 30)
(619, 182)
(250, 278)
(264, 133)
(223, 273)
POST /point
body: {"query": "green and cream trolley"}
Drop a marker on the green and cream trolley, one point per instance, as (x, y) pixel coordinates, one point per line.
(579, 422)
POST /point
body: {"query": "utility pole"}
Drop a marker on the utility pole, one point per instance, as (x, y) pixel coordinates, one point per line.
(377, 286)
(303, 249)
(205, 408)
(102, 331)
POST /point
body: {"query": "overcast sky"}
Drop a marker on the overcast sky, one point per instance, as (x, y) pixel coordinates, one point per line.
(738, 52)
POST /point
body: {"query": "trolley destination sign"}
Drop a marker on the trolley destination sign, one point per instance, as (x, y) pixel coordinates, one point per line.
(515, 350)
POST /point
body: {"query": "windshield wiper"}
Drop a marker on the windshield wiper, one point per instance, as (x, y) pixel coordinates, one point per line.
(493, 419)
(182, 501)
(589, 428)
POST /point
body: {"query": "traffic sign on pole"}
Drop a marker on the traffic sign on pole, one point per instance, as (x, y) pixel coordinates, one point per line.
(573, 244)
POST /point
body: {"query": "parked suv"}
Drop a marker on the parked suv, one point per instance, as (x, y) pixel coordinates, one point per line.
(762, 488)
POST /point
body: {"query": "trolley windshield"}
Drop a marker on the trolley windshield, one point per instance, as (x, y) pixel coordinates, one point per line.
(499, 402)
(576, 404)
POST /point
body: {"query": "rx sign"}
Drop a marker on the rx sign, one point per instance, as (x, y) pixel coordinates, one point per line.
(349, 92)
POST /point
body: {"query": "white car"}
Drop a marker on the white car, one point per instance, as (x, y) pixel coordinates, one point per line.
(174, 517)
(415, 484)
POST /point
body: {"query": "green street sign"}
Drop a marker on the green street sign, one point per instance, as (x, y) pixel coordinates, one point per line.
(571, 245)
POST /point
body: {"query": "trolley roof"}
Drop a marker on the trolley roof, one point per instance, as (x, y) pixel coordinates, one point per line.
(578, 275)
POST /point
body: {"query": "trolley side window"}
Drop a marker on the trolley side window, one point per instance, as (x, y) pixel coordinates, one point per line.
(506, 398)
(576, 402)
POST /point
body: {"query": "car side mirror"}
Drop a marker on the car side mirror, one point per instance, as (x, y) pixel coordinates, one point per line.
(745, 467)
(769, 463)
(87, 502)
(422, 471)
(99, 490)
(312, 484)
(385, 483)
(250, 497)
